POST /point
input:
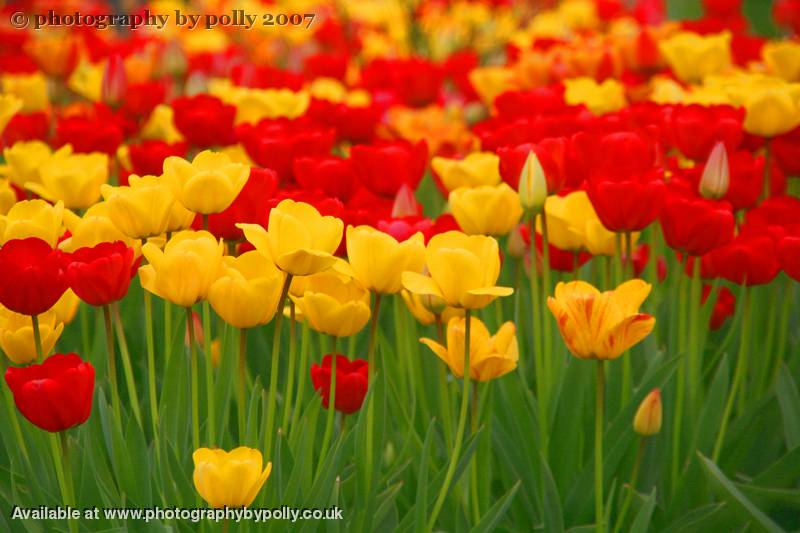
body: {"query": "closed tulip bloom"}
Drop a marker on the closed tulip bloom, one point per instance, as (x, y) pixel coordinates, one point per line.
(425, 308)
(209, 184)
(298, 239)
(229, 479)
(486, 210)
(246, 293)
(379, 261)
(695, 225)
(648, 417)
(143, 208)
(33, 279)
(334, 304)
(463, 271)
(100, 274)
(694, 129)
(16, 335)
(476, 169)
(783, 58)
(693, 57)
(33, 218)
(74, 179)
(601, 325)
(183, 272)
(352, 379)
(490, 357)
(55, 395)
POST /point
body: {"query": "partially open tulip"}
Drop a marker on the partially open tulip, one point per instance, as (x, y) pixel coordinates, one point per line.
(463, 271)
(55, 395)
(74, 179)
(209, 184)
(204, 120)
(93, 228)
(648, 417)
(692, 56)
(378, 260)
(773, 106)
(425, 308)
(33, 218)
(229, 479)
(33, 279)
(16, 335)
(351, 382)
(476, 169)
(490, 356)
(142, 209)
(333, 303)
(783, 58)
(486, 210)
(100, 274)
(246, 293)
(601, 325)
(298, 239)
(25, 159)
(183, 272)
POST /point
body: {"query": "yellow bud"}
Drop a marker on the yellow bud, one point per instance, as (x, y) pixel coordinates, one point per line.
(648, 418)
(716, 174)
(532, 184)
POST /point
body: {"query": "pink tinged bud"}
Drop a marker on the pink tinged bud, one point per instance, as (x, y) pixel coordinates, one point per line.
(405, 203)
(716, 174)
(199, 335)
(115, 81)
(516, 246)
(532, 184)
(648, 418)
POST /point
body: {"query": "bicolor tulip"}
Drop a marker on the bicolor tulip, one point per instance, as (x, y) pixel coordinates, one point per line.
(648, 417)
(229, 479)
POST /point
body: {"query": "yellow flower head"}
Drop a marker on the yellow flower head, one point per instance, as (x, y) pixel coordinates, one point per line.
(9, 106)
(32, 218)
(247, 292)
(463, 271)
(160, 125)
(92, 228)
(74, 179)
(378, 260)
(66, 307)
(30, 88)
(298, 239)
(773, 107)
(486, 210)
(142, 209)
(87, 80)
(16, 335)
(491, 81)
(209, 184)
(692, 56)
(8, 197)
(489, 356)
(425, 308)
(597, 325)
(599, 98)
(184, 271)
(229, 479)
(648, 417)
(478, 168)
(783, 58)
(333, 303)
(25, 158)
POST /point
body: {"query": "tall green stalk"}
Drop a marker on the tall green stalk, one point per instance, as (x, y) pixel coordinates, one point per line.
(240, 386)
(193, 367)
(112, 365)
(273, 375)
(212, 416)
(599, 409)
(538, 354)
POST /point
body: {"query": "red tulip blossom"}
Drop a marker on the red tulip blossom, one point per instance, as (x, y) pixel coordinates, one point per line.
(55, 395)
(695, 225)
(89, 134)
(26, 127)
(694, 129)
(333, 176)
(789, 255)
(414, 81)
(724, 306)
(549, 151)
(749, 259)
(101, 274)
(147, 158)
(33, 278)
(351, 382)
(205, 120)
(383, 167)
(786, 150)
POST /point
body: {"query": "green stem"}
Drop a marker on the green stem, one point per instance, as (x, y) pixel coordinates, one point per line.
(546, 329)
(680, 378)
(329, 419)
(167, 330)
(599, 408)
(288, 404)
(242, 407)
(783, 330)
(694, 355)
(301, 381)
(61, 461)
(631, 488)
(83, 316)
(193, 366)
(209, 364)
(473, 478)
(112, 366)
(538, 354)
(462, 423)
(13, 417)
(373, 340)
(37, 338)
(444, 396)
(126, 364)
(273, 376)
(151, 374)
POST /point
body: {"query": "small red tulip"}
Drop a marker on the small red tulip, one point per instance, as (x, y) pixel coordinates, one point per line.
(205, 120)
(724, 306)
(694, 225)
(332, 175)
(351, 382)
(750, 259)
(32, 277)
(101, 274)
(789, 255)
(383, 167)
(147, 157)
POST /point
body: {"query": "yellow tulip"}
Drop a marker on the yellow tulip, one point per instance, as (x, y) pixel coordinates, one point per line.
(425, 308)
(478, 168)
(66, 307)
(298, 239)
(25, 159)
(74, 179)
(463, 271)
(92, 228)
(599, 98)
(773, 107)
(184, 271)
(209, 184)
(486, 210)
(87, 80)
(378, 260)
(783, 58)
(32, 218)
(648, 417)
(247, 292)
(491, 81)
(490, 357)
(30, 88)
(16, 335)
(9, 106)
(8, 197)
(229, 479)
(597, 325)
(693, 57)
(333, 303)
(254, 105)
(143, 209)
(160, 125)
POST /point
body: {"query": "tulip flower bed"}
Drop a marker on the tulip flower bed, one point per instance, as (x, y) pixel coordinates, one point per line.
(416, 265)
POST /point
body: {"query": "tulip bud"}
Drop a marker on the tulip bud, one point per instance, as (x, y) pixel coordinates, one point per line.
(648, 418)
(716, 174)
(115, 81)
(532, 184)
(516, 246)
(433, 303)
(405, 203)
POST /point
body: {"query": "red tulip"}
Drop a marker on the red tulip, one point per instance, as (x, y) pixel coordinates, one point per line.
(355, 124)
(775, 211)
(142, 98)
(627, 204)
(90, 134)
(326, 65)
(694, 129)
(205, 120)
(694, 225)
(26, 127)
(32, 277)
(351, 382)
(265, 77)
(786, 149)
(101, 274)
(722, 8)
(789, 255)
(147, 157)
(750, 259)
(414, 81)
(550, 153)
(383, 167)
(724, 306)
(787, 13)
(404, 227)
(332, 175)
(55, 395)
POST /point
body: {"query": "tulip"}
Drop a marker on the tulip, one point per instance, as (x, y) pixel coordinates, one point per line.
(333, 303)
(93, 228)
(94, 131)
(33, 279)
(693, 57)
(748, 259)
(32, 218)
(25, 159)
(463, 271)
(427, 308)
(147, 158)
(100, 274)
(246, 293)
(209, 184)
(10, 105)
(229, 479)
(161, 126)
(648, 417)
(532, 184)
(351, 382)
(55, 395)
(334, 176)
(773, 106)
(475, 170)
(184, 271)
(253, 105)
(695, 225)
(597, 325)
(490, 356)
(143, 209)
(783, 58)
(695, 129)
(204, 120)
(66, 307)
(550, 154)
(31, 89)
(599, 98)
(17, 335)
(298, 239)
(716, 176)
(74, 179)
(384, 167)
(486, 210)
(379, 260)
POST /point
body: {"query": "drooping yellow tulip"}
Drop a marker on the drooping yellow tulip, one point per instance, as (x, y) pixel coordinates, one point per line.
(486, 210)
(9, 106)
(247, 292)
(74, 179)
(597, 325)
(648, 417)
(142, 209)
(476, 169)
(490, 357)
(184, 271)
(16, 335)
(298, 239)
(209, 184)
(333, 303)
(229, 479)
(599, 98)
(783, 58)
(31, 89)
(32, 218)
(425, 308)
(693, 57)
(463, 271)
(378, 260)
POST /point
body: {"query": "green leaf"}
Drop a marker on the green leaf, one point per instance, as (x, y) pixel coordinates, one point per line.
(695, 519)
(789, 401)
(421, 507)
(642, 521)
(495, 514)
(553, 515)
